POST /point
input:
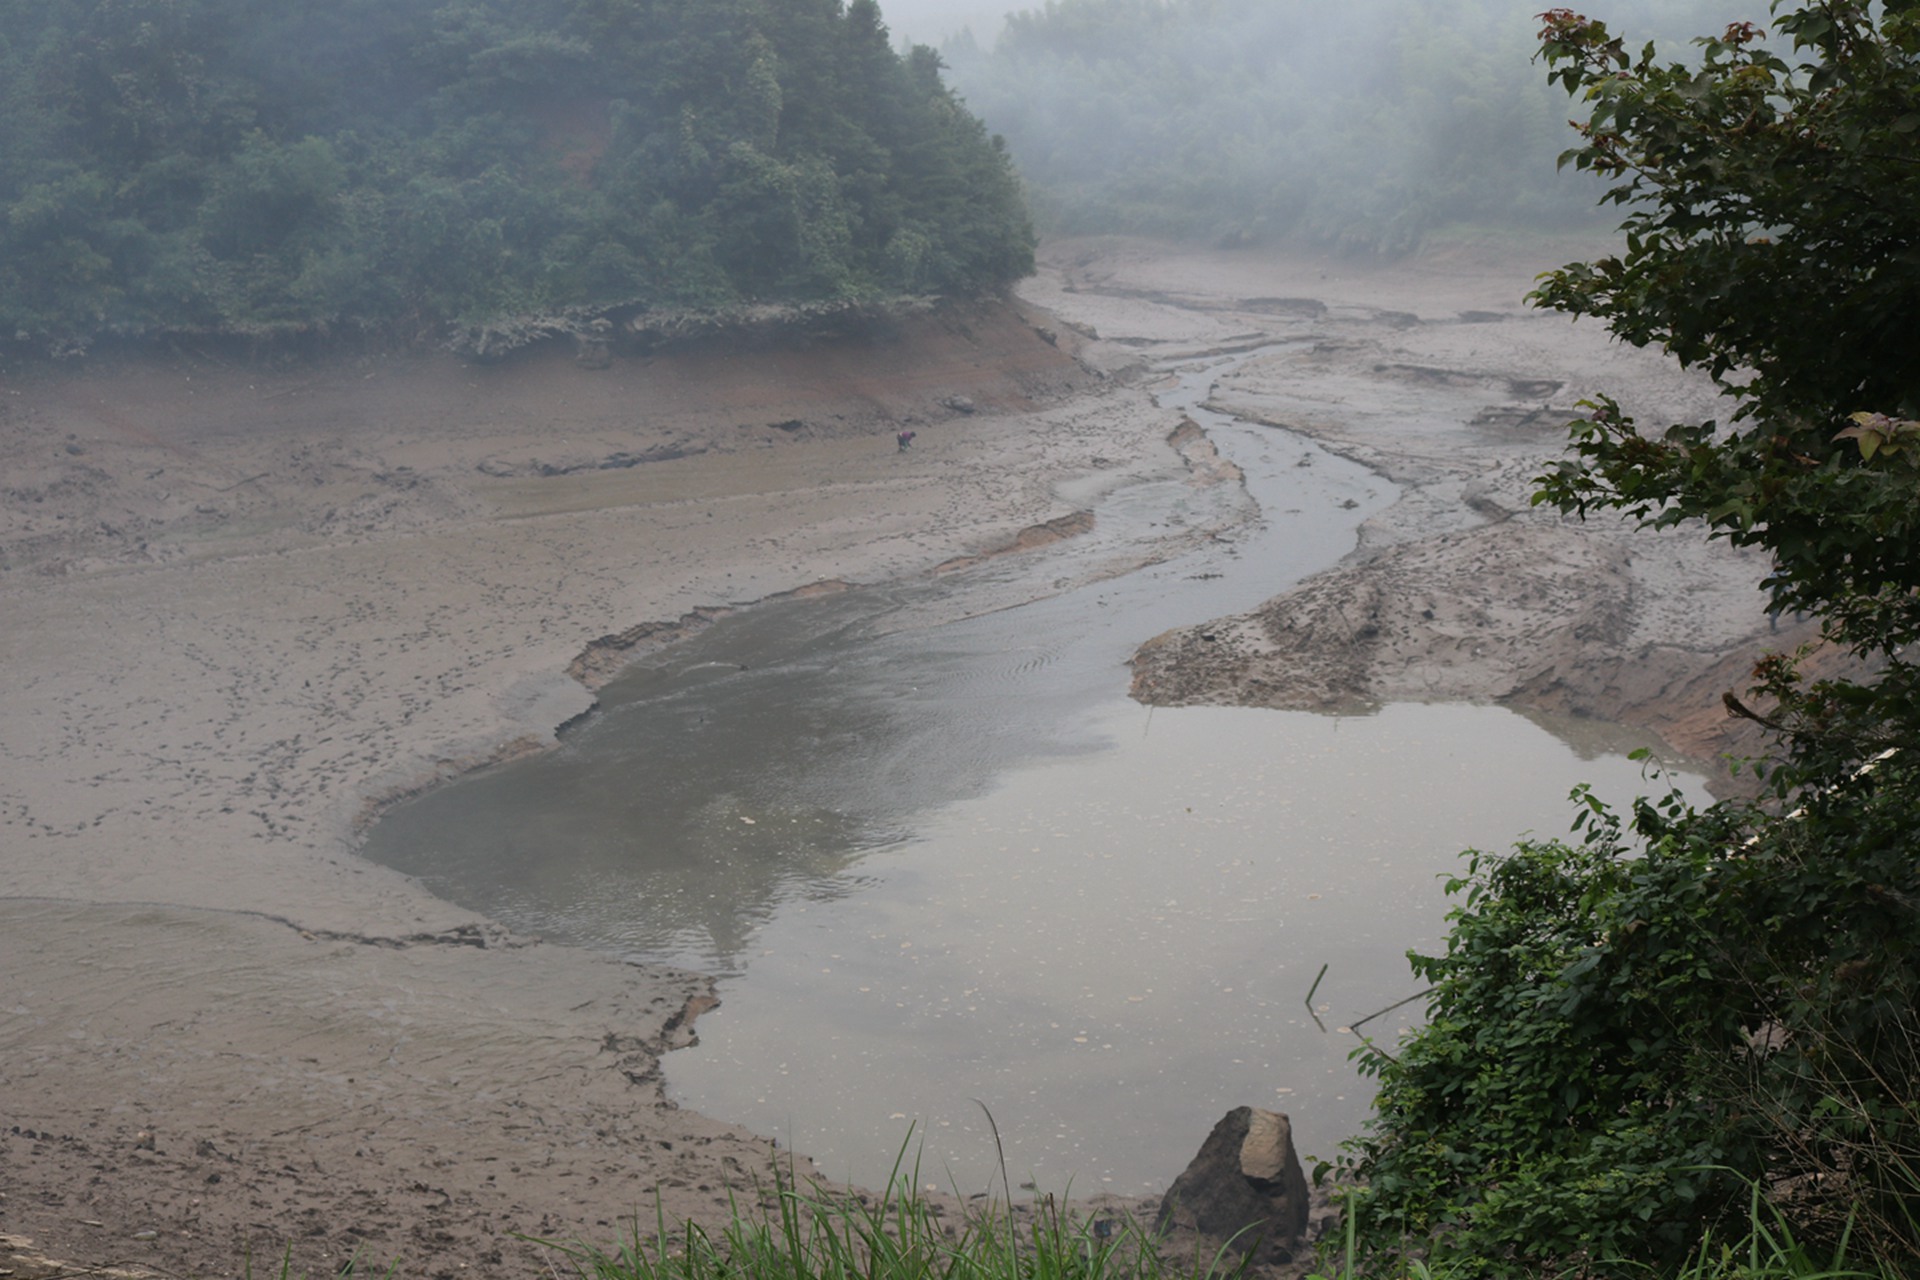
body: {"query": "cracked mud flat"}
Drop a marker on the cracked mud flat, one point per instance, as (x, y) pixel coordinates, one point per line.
(241, 607)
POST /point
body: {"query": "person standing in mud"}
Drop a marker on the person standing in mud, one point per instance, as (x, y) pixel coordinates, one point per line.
(905, 440)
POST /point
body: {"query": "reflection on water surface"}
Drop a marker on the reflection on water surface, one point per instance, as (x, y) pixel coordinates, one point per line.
(1113, 950)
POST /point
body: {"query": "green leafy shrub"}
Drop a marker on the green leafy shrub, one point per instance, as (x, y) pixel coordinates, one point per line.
(1544, 1111)
(1630, 1028)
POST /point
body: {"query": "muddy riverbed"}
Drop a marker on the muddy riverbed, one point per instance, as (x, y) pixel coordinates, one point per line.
(946, 868)
(243, 606)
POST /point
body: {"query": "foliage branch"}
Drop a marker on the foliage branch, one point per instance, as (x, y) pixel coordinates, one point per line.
(1772, 239)
(1633, 1025)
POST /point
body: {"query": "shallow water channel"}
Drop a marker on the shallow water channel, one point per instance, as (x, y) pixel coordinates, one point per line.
(944, 865)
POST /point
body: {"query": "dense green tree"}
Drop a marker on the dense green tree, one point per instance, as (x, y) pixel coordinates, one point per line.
(262, 166)
(1632, 1030)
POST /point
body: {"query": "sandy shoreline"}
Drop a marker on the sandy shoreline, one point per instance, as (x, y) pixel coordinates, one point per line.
(243, 604)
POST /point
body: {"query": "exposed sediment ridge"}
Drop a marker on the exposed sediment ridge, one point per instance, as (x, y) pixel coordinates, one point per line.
(1542, 621)
(606, 657)
(1435, 374)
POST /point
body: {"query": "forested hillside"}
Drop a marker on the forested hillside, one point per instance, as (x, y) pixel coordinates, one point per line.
(1364, 124)
(272, 166)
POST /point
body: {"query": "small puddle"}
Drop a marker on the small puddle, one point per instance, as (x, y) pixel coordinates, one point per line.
(937, 855)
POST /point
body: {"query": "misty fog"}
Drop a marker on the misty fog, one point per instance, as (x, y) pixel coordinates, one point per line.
(1368, 125)
(935, 22)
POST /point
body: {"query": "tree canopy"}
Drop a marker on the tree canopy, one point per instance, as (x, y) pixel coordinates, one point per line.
(1636, 1030)
(267, 166)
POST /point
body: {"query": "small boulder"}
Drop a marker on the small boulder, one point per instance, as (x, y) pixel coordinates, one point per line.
(1245, 1189)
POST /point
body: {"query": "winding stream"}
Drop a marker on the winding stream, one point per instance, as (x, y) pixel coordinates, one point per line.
(943, 864)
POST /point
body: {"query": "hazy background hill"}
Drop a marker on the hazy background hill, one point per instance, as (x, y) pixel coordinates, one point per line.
(1366, 124)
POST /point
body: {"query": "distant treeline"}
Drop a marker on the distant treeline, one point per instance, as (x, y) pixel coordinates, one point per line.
(274, 166)
(1365, 124)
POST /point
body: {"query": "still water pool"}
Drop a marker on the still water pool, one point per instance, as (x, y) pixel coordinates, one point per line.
(1111, 951)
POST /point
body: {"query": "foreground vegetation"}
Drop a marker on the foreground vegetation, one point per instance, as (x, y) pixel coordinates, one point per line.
(901, 1236)
(271, 166)
(818, 1234)
(1631, 1028)
(823, 1235)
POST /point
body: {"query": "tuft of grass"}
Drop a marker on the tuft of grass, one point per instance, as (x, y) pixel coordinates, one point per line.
(819, 1234)
(348, 1270)
(1768, 1250)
